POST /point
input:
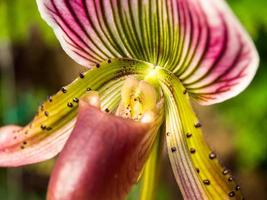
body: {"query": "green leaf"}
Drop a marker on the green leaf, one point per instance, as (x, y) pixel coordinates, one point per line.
(252, 14)
(18, 18)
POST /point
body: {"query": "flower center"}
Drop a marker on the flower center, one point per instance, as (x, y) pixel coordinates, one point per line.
(140, 101)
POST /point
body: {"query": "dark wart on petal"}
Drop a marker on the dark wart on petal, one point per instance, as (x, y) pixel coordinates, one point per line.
(81, 75)
(212, 155)
(231, 194)
(237, 188)
(198, 125)
(206, 182)
(70, 105)
(64, 90)
(192, 150)
(225, 171)
(46, 113)
(189, 135)
(50, 99)
(48, 128)
(76, 100)
(43, 127)
(173, 149)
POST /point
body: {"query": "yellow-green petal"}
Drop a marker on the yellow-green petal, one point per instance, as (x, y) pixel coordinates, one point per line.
(197, 170)
(45, 136)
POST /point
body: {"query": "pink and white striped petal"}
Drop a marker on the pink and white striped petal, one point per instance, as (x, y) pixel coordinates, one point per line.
(21, 146)
(201, 41)
(227, 63)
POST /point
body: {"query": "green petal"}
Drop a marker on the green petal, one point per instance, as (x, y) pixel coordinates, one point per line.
(196, 168)
(45, 136)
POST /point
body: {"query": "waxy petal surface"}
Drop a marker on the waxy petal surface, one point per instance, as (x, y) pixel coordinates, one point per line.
(46, 135)
(201, 41)
(102, 158)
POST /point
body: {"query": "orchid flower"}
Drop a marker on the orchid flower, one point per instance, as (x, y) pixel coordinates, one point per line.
(147, 59)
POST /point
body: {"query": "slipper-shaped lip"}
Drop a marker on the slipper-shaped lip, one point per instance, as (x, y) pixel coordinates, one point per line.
(102, 158)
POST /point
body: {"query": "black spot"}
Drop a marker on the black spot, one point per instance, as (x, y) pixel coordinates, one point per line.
(70, 105)
(231, 194)
(50, 99)
(226, 171)
(237, 188)
(109, 61)
(185, 91)
(43, 127)
(64, 90)
(76, 100)
(48, 128)
(107, 110)
(173, 149)
(198, 125)
(42, 108)
(192, 150)
(206, 182)
(197, 170)
(81, 75)
(212, 155)
(88, 89)
(97, 65)
(188, 135)
(168, 133)
(24, 142)
(230, 179)
(22, 147)
(46, 113)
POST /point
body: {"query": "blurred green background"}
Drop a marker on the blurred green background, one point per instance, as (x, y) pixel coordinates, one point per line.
(33, 65)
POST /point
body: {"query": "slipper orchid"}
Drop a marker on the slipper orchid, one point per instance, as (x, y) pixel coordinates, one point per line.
(146, 59)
